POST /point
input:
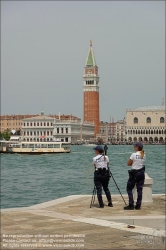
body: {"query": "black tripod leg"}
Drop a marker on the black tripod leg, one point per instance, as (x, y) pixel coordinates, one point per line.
(94, 194)
(118, 188)
(93, 198)
(91, 201)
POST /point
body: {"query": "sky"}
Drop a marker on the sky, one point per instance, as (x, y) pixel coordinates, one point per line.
(44, 46)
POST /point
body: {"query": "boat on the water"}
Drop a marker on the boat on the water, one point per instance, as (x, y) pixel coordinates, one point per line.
(34, 147)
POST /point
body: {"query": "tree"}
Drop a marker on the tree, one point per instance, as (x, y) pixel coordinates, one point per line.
(5, 134)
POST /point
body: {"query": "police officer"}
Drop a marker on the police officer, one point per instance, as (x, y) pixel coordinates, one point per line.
(136, 176)
(105, 149)
(101, 175)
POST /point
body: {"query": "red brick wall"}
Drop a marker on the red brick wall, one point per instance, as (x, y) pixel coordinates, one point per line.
(91, 108)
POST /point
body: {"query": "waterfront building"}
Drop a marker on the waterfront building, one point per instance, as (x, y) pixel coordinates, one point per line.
(146, 124)
(91, 91)
(104, 132)
(72, 130)
(12, 122)
(37, 128)
(112, 126)
(112, 131)
(120, 130)
(65, 128)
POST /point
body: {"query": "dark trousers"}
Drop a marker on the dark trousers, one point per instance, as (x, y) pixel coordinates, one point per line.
(138, 179)
(102, 180)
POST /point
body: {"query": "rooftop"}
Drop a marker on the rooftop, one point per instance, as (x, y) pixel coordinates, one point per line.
(57, 121)
(149, 108)
(11, 117)
(65, 117)
(39, 117)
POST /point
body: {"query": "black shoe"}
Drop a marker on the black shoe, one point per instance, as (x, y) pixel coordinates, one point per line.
(110, 204)
(138, 207)
(101, 205)
(129, 207)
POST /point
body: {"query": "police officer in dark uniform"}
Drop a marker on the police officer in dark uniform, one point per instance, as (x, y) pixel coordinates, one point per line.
(105, 149)
(101, 175)
(136, 176)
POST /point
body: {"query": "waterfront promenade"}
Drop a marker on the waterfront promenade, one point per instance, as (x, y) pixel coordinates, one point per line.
(70, 220)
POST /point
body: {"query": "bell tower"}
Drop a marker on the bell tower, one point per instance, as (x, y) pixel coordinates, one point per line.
(91, 90)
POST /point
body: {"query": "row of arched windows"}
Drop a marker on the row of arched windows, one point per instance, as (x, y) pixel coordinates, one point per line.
(148, 120)
(37, 139)
(146, 131)
(145, 139)
(89, 82)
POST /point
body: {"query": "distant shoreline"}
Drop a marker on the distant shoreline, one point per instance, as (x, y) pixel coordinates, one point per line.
(120, 144)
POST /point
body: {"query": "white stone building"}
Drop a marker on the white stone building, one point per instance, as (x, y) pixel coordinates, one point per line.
(104, 132)
(72, 130)
(113, 131)
(146, 124)
(38, 128)
(120, 130)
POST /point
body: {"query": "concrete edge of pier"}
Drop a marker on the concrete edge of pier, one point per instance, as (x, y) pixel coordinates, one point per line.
(59, 201)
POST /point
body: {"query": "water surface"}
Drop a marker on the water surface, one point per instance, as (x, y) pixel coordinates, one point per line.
(31, 179)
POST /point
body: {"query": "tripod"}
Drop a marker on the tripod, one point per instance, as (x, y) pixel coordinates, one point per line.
(94, 191)
(111, 175)
(93, 196)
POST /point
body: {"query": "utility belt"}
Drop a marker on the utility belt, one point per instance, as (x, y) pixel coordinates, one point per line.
(101, 171)
(133, 172)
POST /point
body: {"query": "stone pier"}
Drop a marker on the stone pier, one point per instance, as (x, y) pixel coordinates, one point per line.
(70, 220)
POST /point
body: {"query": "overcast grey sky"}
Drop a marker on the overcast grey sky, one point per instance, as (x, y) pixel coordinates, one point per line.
(44, 46)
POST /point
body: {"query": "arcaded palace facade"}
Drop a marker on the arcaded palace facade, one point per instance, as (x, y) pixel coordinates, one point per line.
(146, 124)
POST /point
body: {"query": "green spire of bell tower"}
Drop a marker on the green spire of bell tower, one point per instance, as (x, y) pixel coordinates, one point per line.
(90, 61)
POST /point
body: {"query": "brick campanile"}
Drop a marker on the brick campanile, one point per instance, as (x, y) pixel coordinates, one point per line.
(91, 91)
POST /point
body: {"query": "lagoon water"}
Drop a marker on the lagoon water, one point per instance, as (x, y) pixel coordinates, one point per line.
(32, 179)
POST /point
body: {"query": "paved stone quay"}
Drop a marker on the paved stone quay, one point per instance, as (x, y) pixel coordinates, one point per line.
(70, 223)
